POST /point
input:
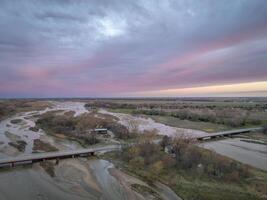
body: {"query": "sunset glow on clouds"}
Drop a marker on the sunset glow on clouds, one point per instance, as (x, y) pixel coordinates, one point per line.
(111, 48)
(236, 90)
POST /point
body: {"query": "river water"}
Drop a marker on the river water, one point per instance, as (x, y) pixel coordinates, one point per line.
(70, 182)
(253, 154)
(78, 178)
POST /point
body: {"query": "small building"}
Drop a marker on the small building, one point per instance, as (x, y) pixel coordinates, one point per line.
(101, 130)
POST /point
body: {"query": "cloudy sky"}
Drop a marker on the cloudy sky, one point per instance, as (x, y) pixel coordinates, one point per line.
(112, 48)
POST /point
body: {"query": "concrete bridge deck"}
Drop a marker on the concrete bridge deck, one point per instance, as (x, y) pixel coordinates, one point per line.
(54, 155)
(38, 157)
(228, 133)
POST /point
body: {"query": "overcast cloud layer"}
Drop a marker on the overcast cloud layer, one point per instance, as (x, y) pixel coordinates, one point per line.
(115, 48)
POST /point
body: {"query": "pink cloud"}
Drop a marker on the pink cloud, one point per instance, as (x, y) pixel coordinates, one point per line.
(34, 73)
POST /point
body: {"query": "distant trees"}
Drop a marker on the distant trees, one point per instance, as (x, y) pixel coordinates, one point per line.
(230, 113)
(228, 116)
(112, 105)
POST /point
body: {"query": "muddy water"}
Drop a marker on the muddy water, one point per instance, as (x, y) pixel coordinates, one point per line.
(249, 153)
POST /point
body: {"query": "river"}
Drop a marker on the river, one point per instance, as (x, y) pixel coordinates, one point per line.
(79, 178)
(254, 154)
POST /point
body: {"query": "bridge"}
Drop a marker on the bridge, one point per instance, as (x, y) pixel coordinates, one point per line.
(228, 133)
(39, 157)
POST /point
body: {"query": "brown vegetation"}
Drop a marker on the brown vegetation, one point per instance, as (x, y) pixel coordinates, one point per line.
(39, 145)
(20, 145)
(185, 157)
(34, 129)
(186, 168)
(80, 127)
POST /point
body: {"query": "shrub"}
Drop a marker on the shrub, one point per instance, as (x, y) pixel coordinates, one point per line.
(137, 162)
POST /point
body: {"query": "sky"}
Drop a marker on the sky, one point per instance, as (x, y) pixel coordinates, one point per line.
(133, 48)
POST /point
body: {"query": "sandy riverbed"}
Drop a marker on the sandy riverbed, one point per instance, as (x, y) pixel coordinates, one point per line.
(142, 124)
(10, 132)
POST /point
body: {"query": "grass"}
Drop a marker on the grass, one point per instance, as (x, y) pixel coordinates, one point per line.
(203, 126)
(211, 190)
